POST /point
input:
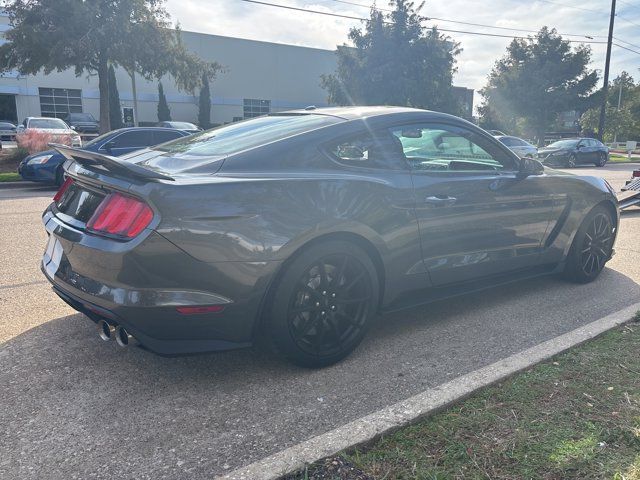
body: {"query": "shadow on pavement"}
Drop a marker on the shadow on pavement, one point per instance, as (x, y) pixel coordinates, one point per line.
(75, 405)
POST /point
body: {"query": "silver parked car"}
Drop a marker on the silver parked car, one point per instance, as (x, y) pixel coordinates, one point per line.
(520, 147)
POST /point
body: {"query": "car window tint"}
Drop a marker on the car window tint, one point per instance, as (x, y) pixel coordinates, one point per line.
(444, 147)
(379, 150)
(133, 139)
(161, 137)
(508, 141)
(519, 143)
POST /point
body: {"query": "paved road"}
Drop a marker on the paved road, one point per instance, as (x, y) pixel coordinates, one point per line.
(75, 407)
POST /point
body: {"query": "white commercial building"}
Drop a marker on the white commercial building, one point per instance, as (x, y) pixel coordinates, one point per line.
(258, 77)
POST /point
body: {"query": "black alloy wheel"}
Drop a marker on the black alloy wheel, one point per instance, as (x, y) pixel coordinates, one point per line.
(602, 159)
(323, 305)
(571, 161)
(592, 246)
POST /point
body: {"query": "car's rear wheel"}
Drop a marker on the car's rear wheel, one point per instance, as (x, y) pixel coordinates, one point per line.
(602, 160)
(592, 246)
(324, 303)
(571, 161)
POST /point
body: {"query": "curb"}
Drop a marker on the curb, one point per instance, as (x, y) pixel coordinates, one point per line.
(18, 184)
(370, 427)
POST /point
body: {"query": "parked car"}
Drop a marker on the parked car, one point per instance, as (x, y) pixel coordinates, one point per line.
(302, 225)
(7, 131)
(83, 123)
(520, 147)
(571, 152)
(47, 166)
(52, 126)
(185, 126)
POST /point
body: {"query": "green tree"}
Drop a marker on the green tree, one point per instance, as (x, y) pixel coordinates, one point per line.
(164, 113)
(537, 79)
(395, 61)
(88, 35)
(204, 104)
(622, 123)
(115, 112)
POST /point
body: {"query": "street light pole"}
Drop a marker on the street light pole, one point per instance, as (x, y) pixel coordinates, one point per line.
(603, 107)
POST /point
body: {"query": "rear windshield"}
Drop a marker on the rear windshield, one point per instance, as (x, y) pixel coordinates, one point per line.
(51, 123)
(244, 135)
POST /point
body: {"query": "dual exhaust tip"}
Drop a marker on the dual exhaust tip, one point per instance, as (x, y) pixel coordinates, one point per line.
(108, 331)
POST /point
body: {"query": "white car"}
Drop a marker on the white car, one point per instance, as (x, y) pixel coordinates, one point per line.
(520, 147)
(52, 126)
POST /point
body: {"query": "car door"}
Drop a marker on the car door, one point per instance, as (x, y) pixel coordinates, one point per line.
(477, 216)
(585, 151)
(127, 142)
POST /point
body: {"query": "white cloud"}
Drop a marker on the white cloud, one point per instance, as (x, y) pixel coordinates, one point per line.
(235, 18)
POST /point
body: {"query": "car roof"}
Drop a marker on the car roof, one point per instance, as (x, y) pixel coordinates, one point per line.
(351, 113)
(145, 129)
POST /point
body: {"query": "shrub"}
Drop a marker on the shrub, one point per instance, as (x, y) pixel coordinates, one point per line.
(34, 141)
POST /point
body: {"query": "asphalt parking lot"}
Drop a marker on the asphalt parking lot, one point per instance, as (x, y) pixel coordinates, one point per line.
(76, 407)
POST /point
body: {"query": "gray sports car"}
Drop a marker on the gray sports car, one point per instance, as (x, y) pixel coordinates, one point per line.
(302, 225)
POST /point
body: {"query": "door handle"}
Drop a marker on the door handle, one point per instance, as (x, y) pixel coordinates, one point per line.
(440, 201)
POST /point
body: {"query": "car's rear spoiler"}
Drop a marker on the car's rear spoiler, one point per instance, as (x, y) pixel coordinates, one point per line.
(109, 163)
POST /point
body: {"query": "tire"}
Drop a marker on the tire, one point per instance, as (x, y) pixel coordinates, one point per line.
(571, 161)
(591, 247)
(323, 304)
(59, 176)
(602, 160)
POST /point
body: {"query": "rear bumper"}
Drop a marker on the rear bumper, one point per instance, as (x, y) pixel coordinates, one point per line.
(140, 284)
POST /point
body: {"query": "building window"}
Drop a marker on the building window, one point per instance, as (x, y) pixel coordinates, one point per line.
(255, 108)
(59, 102)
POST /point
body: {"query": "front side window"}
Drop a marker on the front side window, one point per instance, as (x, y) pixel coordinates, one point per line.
(449, 148)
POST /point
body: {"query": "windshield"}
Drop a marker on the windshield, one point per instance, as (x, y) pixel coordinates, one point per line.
(244, 135)
(81, 117)
(564, 144)
(48, 123)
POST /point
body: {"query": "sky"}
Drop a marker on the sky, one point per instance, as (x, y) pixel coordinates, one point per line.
(236, 18)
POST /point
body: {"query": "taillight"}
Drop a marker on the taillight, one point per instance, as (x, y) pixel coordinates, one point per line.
(63, 188)
(636, 173)
(120, 215)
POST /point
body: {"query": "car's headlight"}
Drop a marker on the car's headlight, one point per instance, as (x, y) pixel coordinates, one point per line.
(40, 159)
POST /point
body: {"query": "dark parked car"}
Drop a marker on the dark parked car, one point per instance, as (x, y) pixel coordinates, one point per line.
(46, 166)
(300, 226)
(185, 126)
(571, 152)
(82, 123)
(7, 131)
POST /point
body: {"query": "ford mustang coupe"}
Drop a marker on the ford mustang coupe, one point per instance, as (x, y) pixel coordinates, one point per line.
(302, 225)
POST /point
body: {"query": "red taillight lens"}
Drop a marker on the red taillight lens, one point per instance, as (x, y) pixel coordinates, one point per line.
(636, 173)
(121, 215)
(63, 188)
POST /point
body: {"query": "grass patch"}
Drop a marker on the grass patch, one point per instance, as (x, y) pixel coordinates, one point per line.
(576, 416)
(618, 158)
(10, 177)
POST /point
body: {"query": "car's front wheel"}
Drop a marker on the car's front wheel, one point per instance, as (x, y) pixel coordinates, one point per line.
(592, 246)
(324, 303)
(571, 161)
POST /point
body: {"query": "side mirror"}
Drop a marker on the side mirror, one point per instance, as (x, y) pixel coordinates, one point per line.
(108, 146)
(530, 166)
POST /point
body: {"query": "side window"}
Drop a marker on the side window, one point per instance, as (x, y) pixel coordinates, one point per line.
(450, 148)
(135, 139)
(378, 150)
(509, 141)
(162, 136)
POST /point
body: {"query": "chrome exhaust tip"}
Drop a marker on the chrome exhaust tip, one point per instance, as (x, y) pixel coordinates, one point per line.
(124, 338)
(106, 331)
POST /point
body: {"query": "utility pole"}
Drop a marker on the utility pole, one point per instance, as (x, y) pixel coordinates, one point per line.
(603, 107)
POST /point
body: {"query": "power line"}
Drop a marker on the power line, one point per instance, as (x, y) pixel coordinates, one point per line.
(447, 20)
(624, 41)
(571, 6)
(629, 4)
(350, 17)
(625, 48)
(627, 20)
